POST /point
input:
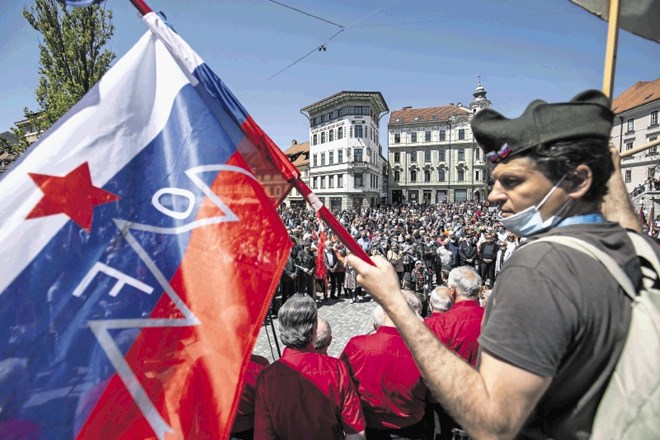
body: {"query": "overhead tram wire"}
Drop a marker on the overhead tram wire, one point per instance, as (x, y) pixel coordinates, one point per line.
(306, 13)
(322, 46)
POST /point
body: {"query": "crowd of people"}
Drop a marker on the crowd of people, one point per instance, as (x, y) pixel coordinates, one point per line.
(422, 242)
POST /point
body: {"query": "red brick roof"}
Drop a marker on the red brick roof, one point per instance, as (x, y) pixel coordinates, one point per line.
(425, 115)
(642, 92)
(298, 154)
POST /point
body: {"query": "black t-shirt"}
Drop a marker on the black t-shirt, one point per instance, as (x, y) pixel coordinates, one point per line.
(558, 313)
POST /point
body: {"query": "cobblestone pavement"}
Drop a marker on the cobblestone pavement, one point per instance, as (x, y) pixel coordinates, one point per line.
(346, 320)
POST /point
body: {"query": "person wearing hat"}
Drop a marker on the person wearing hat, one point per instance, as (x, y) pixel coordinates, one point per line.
(557, 319)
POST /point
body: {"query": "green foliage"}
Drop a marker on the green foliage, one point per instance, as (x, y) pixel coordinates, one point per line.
(72, 55)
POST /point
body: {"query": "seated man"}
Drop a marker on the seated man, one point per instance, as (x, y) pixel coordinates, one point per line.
(304, 394)
(388, 381)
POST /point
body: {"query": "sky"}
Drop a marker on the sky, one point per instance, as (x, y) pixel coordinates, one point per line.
(419, 53)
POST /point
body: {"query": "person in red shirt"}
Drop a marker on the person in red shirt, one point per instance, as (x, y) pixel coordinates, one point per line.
(387, 379)
(304, 394)
(460, 327)
(244, 424)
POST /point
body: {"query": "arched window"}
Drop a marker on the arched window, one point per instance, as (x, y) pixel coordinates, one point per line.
(413, 176)
(397, 176)
(441, 174)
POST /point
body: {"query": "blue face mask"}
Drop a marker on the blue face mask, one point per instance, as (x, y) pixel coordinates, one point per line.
(529, 221)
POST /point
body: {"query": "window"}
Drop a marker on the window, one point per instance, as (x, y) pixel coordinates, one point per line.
(427, 176)
(331, 135)
(397, 138)
(627, 176)
(427, 136)
(441, 155)
(413, 176)
(357, 110)
(340, 133)
(629, 146)
(631, 124)
(322, 182)
(427, 156)
(315, 139)
(340, 180)
(461, 134)
(443, 135)
(331, 158)
(331, 116)
(441, 174)
(654, 118)
(322, 118)
(477, 153)
(314, 161)
(358, 131)
(323, 137)
(314, 121)
(654, 149)
(476, 175)
(461, 175)
(397, 176)
(314, 182)
(331, 181)
(357, 155)
(413, 156)
(461, 154)
(322, 159)
(357, 180)
(413, 137)
(397, 157)
(340, 156)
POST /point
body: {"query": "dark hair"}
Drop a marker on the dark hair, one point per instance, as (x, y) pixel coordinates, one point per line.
(561, 158)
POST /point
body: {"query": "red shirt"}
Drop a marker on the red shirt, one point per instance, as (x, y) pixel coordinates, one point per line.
(245, 414)
(387, 379)
(306, 395)
(459, 328)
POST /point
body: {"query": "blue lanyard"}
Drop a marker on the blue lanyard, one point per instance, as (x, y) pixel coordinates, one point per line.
(582, 219)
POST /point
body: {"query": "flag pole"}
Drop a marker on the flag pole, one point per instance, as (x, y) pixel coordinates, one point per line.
(141, 6)
(610, 50)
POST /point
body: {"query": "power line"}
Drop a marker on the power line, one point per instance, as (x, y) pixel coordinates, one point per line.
(322, 47)
(307, 13)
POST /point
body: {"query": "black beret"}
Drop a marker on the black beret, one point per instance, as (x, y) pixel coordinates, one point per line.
(586, 115)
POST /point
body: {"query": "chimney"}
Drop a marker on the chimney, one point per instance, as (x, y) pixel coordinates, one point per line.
(408, 107)
(294, 142)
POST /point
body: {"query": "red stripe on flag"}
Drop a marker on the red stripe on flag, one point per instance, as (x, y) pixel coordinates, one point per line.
(227, 278)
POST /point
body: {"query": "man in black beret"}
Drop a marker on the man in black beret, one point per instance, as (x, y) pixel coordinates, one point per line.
(556, 321)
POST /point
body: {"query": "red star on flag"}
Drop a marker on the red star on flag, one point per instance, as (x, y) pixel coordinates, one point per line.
(73, 195)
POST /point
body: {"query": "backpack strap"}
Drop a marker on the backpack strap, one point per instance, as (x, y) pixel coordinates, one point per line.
(587, 248)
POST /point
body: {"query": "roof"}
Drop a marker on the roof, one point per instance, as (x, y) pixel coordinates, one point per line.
(642, 92)
(298, 154)
(375, 97)
(426, 115)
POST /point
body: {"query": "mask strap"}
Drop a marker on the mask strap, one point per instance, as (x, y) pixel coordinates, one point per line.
(547, 196)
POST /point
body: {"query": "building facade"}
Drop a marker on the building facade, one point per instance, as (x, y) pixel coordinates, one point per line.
(636, 124)
(298, 154)
(432, 154)
(347, 167)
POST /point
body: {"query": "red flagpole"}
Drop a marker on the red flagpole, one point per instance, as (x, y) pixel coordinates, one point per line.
(141, 6)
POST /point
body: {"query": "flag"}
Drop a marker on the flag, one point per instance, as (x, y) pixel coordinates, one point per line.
(139, 255)
(641, 17)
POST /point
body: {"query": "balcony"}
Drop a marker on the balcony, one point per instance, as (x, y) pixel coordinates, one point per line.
(358, 165)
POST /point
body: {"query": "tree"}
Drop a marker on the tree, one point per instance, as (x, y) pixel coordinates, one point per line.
(72, 58)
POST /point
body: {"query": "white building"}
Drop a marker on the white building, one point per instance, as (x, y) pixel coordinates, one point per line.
(347, 168)
(433, 156)
(635, 124)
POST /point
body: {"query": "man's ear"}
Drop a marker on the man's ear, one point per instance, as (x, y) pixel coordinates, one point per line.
(579, 182)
